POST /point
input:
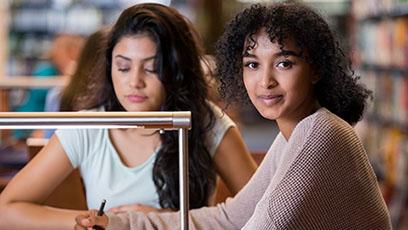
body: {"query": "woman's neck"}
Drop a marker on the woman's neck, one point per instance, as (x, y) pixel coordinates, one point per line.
(135, 146)
(287, 124)
(136, 132)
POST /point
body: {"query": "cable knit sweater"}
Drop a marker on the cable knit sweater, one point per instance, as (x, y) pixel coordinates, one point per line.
(319, 179)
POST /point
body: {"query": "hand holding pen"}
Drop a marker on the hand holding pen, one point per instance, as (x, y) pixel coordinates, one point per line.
(94, 219)
(100, 213)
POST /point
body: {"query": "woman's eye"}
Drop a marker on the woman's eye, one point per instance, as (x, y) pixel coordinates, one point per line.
(285, 64)
(125, 70)
(152, 71)
(251, 65)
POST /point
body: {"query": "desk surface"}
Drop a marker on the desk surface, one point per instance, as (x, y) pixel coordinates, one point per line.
(32, 82)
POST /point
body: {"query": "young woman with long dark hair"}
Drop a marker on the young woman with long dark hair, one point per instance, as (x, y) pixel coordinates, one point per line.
(153, 63)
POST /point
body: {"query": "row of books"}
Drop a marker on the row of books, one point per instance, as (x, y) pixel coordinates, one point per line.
(383, 43)
(74, 20)
(366, 9)
(390, 96)
(33, 24)
(57, 4)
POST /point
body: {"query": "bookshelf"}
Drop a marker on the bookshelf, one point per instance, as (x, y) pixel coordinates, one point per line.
(27, 29)
(33, 24)
(381, 59)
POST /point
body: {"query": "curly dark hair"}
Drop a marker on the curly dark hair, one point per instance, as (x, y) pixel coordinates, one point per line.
(178, 63)
(338, 89)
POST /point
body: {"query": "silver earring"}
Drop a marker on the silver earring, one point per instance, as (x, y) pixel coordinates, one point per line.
(161, 131)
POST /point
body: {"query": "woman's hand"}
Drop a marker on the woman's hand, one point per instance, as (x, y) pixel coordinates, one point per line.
(136, 207)
(89, 219)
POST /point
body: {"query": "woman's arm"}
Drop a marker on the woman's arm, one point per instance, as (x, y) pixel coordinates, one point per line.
(233, 161)
(207, 218)
(20, 202)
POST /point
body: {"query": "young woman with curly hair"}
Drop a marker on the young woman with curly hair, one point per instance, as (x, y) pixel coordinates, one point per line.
(316, 174)
(153, 63)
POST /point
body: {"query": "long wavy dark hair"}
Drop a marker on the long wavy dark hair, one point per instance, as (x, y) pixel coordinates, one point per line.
(179, 68)
(337, 90)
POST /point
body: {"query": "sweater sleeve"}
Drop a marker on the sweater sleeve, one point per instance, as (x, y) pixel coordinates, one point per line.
(233, 214)
(204, 218)
(228, 215)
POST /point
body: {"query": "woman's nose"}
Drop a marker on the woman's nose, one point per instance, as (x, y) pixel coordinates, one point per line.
(267, 80)
(137, 80)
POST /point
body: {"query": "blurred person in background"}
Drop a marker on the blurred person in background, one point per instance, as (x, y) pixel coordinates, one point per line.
(62, 57)
(82, 86)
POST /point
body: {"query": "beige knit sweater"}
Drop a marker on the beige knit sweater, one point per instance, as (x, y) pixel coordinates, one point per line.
(323, 180)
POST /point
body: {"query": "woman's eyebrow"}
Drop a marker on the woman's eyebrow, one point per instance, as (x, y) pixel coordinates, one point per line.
(122, 57)
(283, 53)
(149, 58)
(129, 59)
(287, 53)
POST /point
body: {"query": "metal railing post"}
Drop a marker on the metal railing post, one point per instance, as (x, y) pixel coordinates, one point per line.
(183, 178)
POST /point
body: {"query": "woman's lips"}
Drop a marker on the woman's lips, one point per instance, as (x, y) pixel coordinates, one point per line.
(136, 98)
(270, 99)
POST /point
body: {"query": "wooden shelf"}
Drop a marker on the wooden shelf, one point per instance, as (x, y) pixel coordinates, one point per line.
(32, 82)
(384, 69)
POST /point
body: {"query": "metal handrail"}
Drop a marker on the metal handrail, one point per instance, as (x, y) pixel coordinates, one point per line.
(180, 121)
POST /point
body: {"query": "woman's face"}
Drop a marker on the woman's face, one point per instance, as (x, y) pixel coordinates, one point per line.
(279, 82)
(135, 79)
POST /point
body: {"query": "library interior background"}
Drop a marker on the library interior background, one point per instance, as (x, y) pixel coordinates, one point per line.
(374, 33)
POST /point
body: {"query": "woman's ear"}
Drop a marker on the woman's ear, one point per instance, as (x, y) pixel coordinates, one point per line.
(315, 78)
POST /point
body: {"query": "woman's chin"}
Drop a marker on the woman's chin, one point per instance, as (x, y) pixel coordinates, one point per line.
(270, 115)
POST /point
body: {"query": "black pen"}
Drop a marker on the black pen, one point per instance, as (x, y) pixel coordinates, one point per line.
(100, 213)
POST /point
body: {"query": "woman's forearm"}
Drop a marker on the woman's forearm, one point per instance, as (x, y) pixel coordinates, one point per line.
(206, 218)
(23, 215)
